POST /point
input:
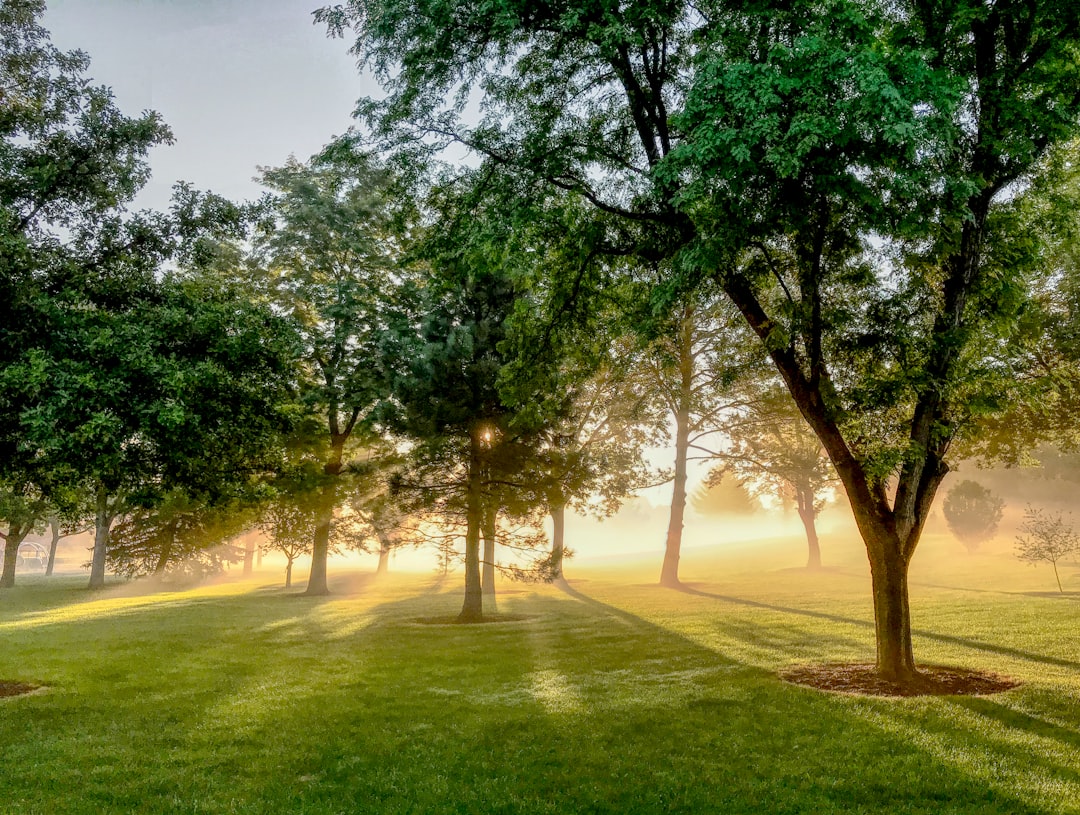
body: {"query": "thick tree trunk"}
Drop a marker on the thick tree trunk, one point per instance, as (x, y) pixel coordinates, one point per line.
(15, 536)
(317, 585)
(813, 558)
(669, 574)
(249, 555)
(808, 516)
(54, 528)
(320, 547)
(558, 546)
(288, 574)
(892, 613)
(472, 610)
(384, 559)
(487, 581)
(103, 519)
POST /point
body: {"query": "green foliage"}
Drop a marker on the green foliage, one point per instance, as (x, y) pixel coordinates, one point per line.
(185, 384)
(178, 537)
(972, 512)
(325, 256)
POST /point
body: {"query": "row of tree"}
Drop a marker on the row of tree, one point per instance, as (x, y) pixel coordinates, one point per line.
(872, 185)
(364, 354)
(717, 217)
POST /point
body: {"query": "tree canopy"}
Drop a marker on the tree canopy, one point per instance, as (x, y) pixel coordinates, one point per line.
(837, 167)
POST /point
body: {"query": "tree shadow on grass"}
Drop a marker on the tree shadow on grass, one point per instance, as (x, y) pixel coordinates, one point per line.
(1021, 720)
(965, 642)
(1047, 595)
(584, 707)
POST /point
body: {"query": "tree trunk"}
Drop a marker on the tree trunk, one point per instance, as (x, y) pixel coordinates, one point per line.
(808, 516)
(892, 614)
(472, 610)
(288, 574)
(103, 519)
(168, 541)
(669, 573)
(249, 554)
(558, 531)
(54, 528)
(384, 559)
(15, 536)
(487, 581)
(317, 586)
(320, 548)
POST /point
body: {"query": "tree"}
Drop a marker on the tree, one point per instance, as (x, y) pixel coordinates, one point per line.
(592, 457)
(188, 386)
(1046, 539)
(694, 364)
(68, 159)
(870, 161)
(23, 509)
(373, 510)
(771, 449)
(115, 377)
(327, 259)
(290, 522)
(384, 522)
(723, 496)
(724, 135)
(178, 535)
(972, 513)
(470, 444)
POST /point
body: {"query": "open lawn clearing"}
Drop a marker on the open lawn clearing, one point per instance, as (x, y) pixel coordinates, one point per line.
(616, 696)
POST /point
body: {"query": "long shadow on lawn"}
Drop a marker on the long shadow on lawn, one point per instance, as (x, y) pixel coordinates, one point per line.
(582, 707)
(1021, 720)
(1014, 750)
(822, 615)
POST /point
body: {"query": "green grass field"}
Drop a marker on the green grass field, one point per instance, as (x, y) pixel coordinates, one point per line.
(615, 697)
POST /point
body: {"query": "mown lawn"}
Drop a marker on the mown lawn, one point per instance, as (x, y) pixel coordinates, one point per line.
(614, 697)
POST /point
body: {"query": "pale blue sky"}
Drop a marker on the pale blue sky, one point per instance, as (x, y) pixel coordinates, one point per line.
(241, 82)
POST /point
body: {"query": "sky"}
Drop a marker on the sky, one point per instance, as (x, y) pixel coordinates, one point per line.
(242, 83)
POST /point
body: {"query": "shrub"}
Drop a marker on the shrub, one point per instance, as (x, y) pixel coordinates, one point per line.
(972, 513)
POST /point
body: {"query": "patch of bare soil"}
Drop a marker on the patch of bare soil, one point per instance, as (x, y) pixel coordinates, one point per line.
(9, 687)
(863, 679)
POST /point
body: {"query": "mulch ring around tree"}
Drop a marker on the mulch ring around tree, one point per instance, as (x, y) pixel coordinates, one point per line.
(9, 687)
(862, 679)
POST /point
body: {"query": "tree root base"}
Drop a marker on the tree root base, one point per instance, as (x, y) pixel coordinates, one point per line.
(863, 679)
